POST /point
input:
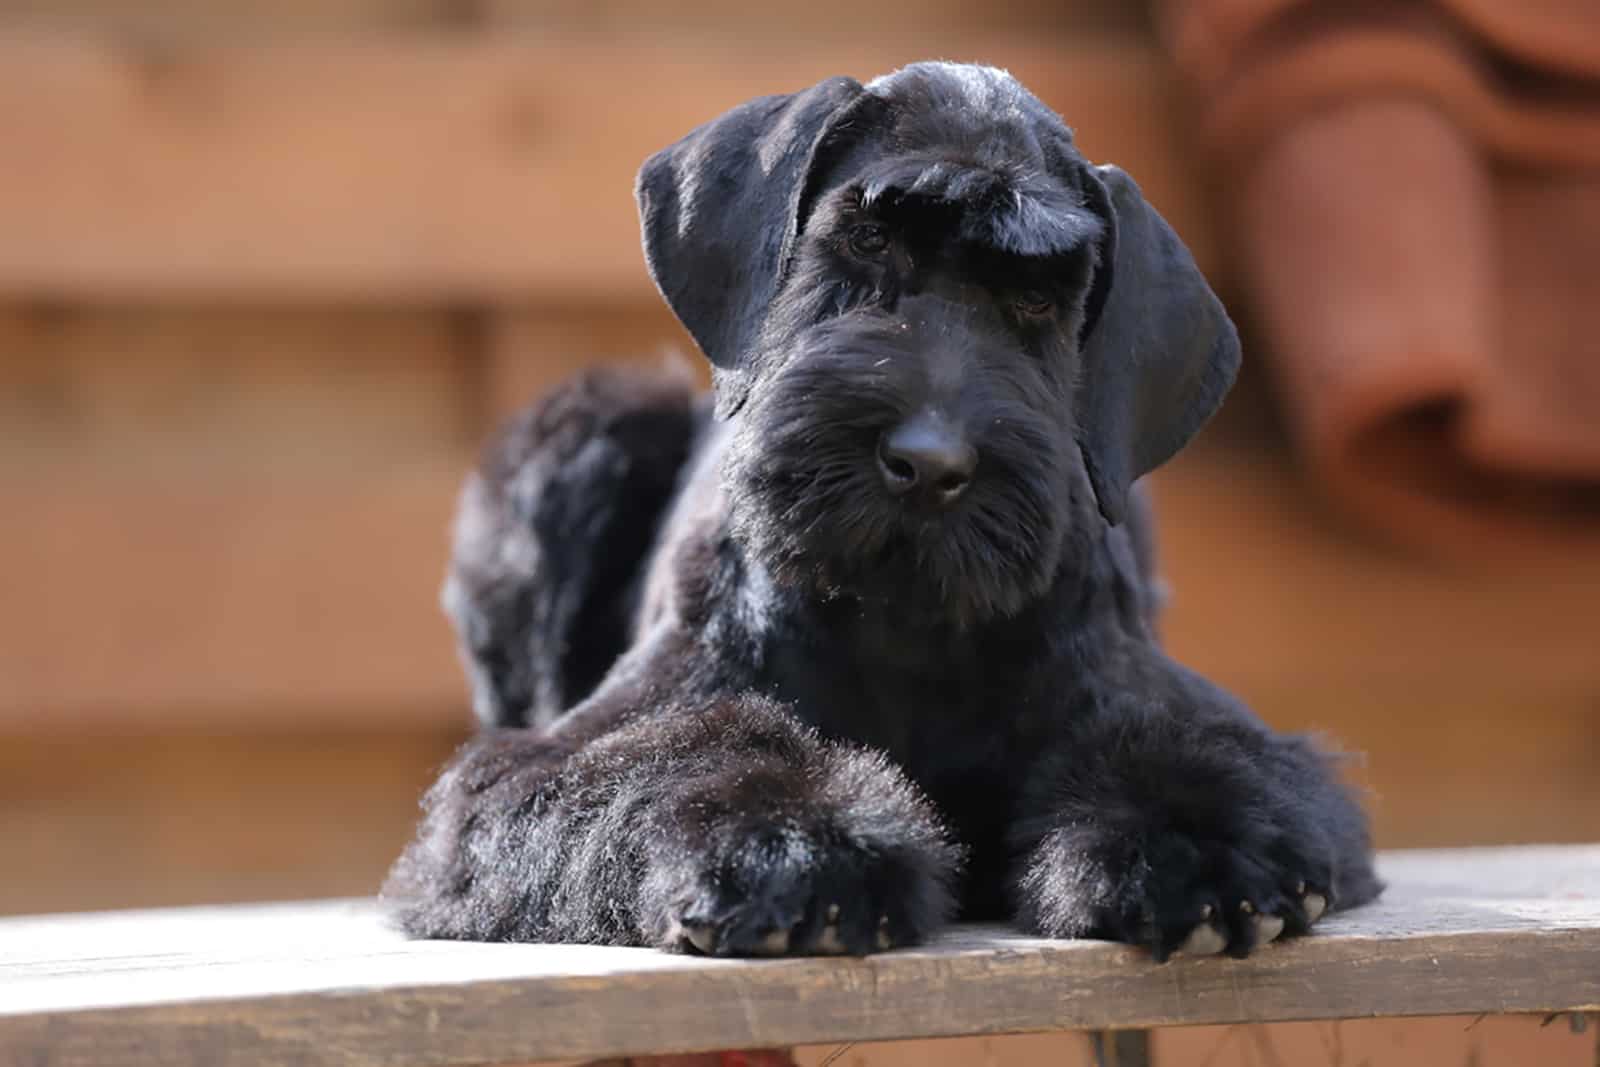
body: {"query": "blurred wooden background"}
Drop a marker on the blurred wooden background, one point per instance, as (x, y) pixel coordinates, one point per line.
(270, 269)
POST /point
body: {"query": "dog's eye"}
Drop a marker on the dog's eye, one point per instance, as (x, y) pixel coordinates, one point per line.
(1032, 302)
(868, 239)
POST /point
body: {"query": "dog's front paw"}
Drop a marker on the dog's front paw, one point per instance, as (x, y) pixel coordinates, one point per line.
(778, 843)
(1176, 892)
(775, 892)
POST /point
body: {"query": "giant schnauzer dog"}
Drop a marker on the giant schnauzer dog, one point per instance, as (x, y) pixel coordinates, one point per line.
(864, 640)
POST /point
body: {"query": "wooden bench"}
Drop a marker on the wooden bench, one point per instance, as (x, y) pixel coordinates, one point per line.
(1512, 930)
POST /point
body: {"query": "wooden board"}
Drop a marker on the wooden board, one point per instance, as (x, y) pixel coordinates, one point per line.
(121, 817)
(142, 600)
(530, 349)
(291, 392)
(441, 167)
(250, 19)
(1252, 556)
(209, 508)
(1437, 1041)
(836, 20)
(1498, 931)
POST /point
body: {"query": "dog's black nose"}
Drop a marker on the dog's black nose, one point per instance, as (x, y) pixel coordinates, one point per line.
(929, 456)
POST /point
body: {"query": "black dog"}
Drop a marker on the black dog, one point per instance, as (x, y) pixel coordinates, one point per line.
(869, 643)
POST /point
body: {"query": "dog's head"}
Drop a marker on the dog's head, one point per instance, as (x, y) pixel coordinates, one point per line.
(929, 316)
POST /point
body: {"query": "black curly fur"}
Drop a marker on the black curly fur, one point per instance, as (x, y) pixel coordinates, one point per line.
(544, 582)
(771, 708)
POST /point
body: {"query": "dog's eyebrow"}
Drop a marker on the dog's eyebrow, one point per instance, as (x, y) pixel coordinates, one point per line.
(1035, 222)
(1025, 215)
(929, 179)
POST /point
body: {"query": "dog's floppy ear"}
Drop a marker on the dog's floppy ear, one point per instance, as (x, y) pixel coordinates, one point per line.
(720, 210)
(1159, 351)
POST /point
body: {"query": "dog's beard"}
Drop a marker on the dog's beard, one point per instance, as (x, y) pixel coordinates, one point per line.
(809, 504)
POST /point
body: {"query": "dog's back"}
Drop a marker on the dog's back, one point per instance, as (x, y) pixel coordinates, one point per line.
(553, 531)
(556, 560)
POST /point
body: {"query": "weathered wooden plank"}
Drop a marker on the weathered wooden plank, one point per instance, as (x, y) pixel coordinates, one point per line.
(290, 391)
(1435, 1041)
(153, 599)
(528, 350)
(223, 18)
(115, 815)
(842, 18)
(822, 20)
(214, 509)
(453, 166)
(1252, 555)
(1057, 1049)
(1499, 931)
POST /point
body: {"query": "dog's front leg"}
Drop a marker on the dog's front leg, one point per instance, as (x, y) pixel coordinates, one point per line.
(760, 838)
(1166, 815)
(720, 826)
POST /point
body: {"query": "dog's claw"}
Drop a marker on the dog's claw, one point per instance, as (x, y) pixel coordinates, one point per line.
(703, 936)
(884, 941)
(774, 944)
(832, 914)
(1268, 927)
(1203, 940)
(828, 943)
(1314, 904)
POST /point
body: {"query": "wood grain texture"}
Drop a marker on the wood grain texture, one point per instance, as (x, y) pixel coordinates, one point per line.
(213, 508)
(1055, 1049)
(450, 166)
(191, 19)
(820, 19)
(527, 350)
(243, 19)
(1244, 539)
(1435, 1041)
(129, 818)
(1498, 931)
(151, 599)
(294, 392)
